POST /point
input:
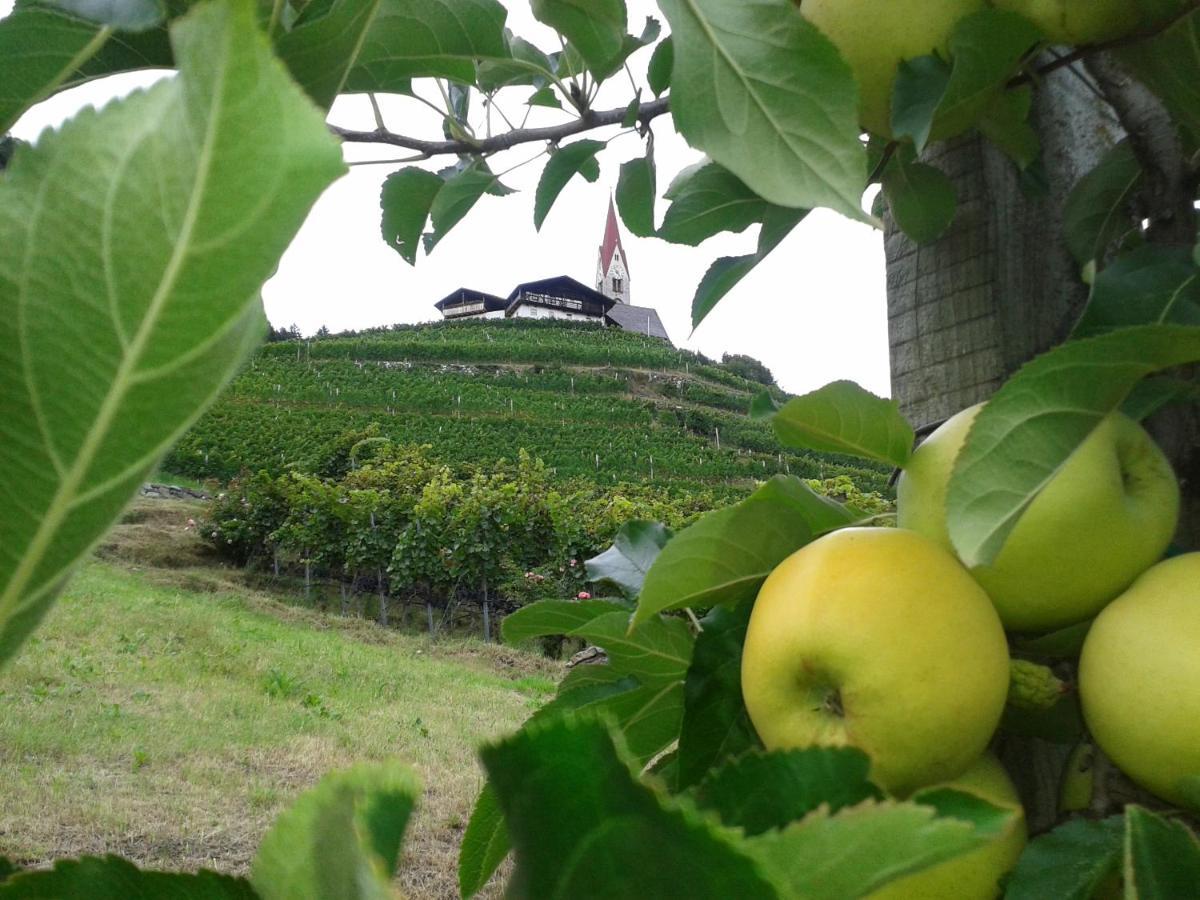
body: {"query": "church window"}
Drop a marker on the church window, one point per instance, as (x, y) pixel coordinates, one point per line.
(617, 285)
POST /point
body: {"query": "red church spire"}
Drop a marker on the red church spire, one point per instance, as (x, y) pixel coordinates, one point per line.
(612, 240)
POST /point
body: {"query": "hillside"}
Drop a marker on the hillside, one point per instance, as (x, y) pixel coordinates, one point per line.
(602, 404)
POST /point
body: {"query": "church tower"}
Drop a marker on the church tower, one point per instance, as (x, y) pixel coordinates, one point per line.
(612, 268)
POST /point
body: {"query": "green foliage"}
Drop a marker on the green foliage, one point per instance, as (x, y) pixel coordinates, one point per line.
(843, 418)
(922, 199)
(171, 322)
(627, 561)
(1072, 862)
(577, 158)
(112, 878)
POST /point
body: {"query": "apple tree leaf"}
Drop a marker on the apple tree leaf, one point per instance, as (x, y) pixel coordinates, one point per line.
(727, 554)
(1153, 284)
(766, 95)
(1189, 787)
(552, 617)
(428, 38)
(595, 28)
(7, 869)
(321, 47)
(842, 417)
(195, 188)
(636, 189)
(920, 84)
(1037, 419)
(660, 650)
(922, 199)
(583, 825)
(1098, 210)
(727, 271)
(627, 561)
(662, 60)
(1071, 862)
(113, 878)
(127, 15)
(707, 200)
(485, 844)
(1162, 857)
(801, 781)
(716, 726)
(406, 199)
(564, 163)
(1152, 394)
(341, 839)
(455, 198)
(858, 849)
(527, 65)
(1006, 124)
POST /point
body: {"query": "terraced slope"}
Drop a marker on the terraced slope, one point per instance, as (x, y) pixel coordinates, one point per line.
(598, 403)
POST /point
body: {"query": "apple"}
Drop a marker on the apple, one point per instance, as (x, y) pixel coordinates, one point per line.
(975, 875)
(1077, 21)
(875, 36)
(1139, 678)
(879, 639)
(1103, 519)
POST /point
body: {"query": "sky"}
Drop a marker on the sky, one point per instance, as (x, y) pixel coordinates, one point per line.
(814, 311)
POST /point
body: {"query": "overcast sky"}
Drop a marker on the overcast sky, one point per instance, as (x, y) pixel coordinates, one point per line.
(814, 311)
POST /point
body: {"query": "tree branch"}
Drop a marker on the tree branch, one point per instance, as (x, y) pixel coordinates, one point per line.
(508, 140)
(1158, 147)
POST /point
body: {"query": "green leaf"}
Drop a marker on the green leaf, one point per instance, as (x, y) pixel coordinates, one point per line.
(457, 195)
(1162, 857)
(1099, 208)
(1152, 394)
(922, 199)
(1189, 787)
(627, 561)
(528, 65)
(7, 869)
(659, 650)
(544, 97)
(582, 825)
(1006, 124)
(1152, 285)
(588, 675)
(428, 38)
(1039, 417)
(1063, 643)
(662, 60)
(763, 406)
(766, 95)
(341, 839)
(800, 782)
(726, 555)
(553, 617)
(406, 199)
(39, 51)
(1169, 64)
(564, 163)
(647, 717)
(485, 844)
(707, 200)
(1069, 863)
(113, 878)
(920, 86)
(127, 15)
(596, 28)
(320, 50)
(725, 273)
(716, 726)
(885, 840)
(844, 418)
(987, 48)
(194, 188)
(635, 194)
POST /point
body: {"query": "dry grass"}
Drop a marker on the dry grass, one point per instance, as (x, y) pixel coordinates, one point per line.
(171, 724)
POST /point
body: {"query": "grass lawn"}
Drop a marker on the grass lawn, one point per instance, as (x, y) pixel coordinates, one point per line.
(168, 715)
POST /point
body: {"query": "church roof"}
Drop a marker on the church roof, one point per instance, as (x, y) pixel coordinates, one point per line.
(560, 286)
(612, 240)
(468, 295)
(640, 319)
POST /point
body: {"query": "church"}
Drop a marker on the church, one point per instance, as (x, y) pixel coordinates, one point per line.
(563, 297)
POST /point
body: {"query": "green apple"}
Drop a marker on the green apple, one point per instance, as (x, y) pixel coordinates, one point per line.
(1139, 678)
(877, 638)
(975, 875)
(1104, 518)
(1077, 21)
(875, 36)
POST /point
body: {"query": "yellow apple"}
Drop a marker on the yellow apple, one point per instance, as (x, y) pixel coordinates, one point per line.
(877, 638)
(1104, 518)
(975, 875)
(1139, 677)
(875, 36)
(1077, 21)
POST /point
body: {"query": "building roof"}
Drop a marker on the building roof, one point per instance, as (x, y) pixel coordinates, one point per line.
(640, 319)
(560, 286)
(468, 295)
(612, 241)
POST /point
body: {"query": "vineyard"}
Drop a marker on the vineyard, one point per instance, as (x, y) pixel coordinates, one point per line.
(601, 404)
(470, 468)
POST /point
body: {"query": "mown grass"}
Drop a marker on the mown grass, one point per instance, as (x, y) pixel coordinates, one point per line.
(171, 725)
